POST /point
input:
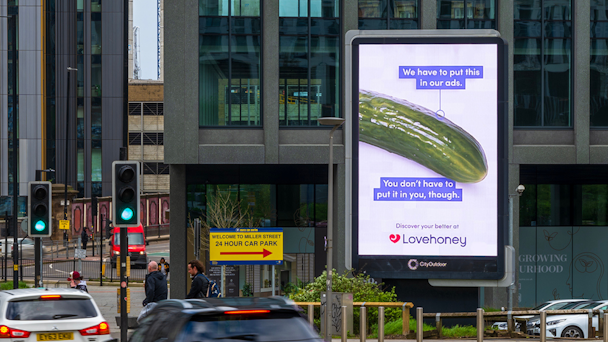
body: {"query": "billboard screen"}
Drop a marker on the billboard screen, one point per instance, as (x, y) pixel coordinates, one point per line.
(429, 153)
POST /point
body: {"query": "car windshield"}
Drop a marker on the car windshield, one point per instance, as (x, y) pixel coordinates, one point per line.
(41, 310)
(134, 238)
(540, 306)
(261, 328)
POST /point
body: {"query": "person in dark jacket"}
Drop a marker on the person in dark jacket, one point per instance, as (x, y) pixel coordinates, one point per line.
(156, 285)
(199, 281)
(84, 237)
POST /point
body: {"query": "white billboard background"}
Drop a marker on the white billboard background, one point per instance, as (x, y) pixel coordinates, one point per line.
(474, 220)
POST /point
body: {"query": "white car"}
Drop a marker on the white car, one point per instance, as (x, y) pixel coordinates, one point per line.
(51, 315)
(573, 325)
(556, 304)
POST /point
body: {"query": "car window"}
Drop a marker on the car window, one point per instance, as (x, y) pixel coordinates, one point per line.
(575, 305)
(133, 238)
(144, 326)
(38, 310)
(587, 306)
(541, 306)
(603, 307)
(262, 328)
(558, 306)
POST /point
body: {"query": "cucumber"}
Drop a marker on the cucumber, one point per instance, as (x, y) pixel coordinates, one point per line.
(415, 132)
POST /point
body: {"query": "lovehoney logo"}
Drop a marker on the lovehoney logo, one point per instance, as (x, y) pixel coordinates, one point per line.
(412, 264)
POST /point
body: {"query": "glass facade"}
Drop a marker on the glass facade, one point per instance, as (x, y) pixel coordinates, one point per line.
(466, 14)
(309, 77)
(388, 14)
(598, 97)
(229, 63)
(542, 63)
(269, 205)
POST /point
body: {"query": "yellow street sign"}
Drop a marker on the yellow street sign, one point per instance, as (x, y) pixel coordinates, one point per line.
(246, 246)
(15, 267)
(128, 300)
(64, 224)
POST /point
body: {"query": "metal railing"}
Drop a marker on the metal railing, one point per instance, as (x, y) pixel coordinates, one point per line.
(480, 315)
(405, 314)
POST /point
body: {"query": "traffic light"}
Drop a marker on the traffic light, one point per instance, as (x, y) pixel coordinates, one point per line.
(39, 209)
(125, 193)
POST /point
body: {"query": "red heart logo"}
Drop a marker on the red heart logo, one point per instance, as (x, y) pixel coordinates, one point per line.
(394, 238)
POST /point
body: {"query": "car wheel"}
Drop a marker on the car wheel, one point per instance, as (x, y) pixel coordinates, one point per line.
(573, 332)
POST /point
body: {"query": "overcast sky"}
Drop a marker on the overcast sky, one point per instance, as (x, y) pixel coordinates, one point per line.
(144, 16)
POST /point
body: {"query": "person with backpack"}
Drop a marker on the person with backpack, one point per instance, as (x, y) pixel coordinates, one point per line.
(200, 283)
(76, 278)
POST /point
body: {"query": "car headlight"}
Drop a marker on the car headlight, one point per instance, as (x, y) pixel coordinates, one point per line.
(557, 321)
(142, 252)
(116, 252)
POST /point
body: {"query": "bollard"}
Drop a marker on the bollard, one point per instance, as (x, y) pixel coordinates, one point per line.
(419, 332)
(480, 325)
(311, 315)
(543, 326)
(405, 315)
(438, 325)
(605, 327)
(344, 325)
(381, 324)
(363, 324)
(590, 333)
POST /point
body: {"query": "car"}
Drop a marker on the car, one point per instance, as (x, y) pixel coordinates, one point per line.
(51, 315)
(226, 319)
(548, 305)
(533, 323)
(573, 325)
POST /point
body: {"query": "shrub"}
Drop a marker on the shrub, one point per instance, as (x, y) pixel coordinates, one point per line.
(362, 288)
(9, 286)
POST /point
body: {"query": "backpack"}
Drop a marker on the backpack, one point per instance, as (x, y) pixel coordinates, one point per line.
(213, 290)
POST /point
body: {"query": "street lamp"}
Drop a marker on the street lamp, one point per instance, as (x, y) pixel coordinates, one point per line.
(336, 122)
(67, 140)
(520, 190)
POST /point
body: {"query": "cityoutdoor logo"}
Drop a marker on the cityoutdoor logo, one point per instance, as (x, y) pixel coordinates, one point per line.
(413, 264)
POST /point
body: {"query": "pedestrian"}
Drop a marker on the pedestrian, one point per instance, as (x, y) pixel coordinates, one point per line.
(199, 280)
(155, 287)
(71, 280)
(76, 279)
(163, 267)
(84, 237)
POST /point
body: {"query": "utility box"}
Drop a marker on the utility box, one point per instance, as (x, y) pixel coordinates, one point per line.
(339, 299)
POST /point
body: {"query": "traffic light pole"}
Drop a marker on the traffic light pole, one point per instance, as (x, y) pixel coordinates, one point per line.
(37, 249)
(124, 318)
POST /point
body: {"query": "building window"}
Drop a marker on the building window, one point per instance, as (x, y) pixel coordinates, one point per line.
(598, 97)
(229, 63)
(542, 63)
(466, 14)
(309, 45)
(388, 14)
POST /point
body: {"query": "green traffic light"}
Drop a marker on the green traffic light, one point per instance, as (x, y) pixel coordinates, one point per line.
(39, 226)
(127, 214)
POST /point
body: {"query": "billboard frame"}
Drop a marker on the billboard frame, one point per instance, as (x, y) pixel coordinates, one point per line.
(396, 267)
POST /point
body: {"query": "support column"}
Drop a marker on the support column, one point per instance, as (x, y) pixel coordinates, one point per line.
(581, 78)
(177, 229)
(270, 80)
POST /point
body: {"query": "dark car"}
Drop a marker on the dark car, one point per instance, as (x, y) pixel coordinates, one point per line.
(225, 319)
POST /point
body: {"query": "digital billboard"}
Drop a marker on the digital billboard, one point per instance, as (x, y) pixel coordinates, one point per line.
(429, 158)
